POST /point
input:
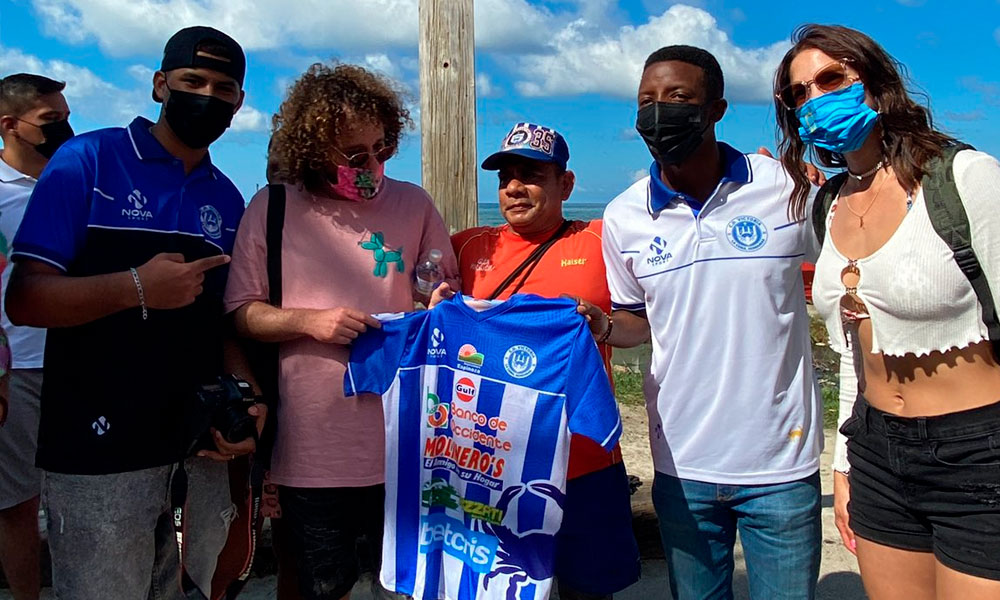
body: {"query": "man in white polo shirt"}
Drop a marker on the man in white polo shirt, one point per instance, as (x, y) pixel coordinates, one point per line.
(33, 123)
(702, 255)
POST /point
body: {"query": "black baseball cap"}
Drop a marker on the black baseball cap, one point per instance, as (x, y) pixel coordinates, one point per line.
(181, 51)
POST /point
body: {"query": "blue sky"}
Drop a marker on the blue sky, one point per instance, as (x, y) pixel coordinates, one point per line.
(570, 64)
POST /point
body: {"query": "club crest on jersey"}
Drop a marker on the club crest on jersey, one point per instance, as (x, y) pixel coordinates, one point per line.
(746, 233)
(470, 359)
(211, 221)
(437, 343)
(520, 361)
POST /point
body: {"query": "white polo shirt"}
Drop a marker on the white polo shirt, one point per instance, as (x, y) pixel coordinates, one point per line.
(731, 392)
(27, 344)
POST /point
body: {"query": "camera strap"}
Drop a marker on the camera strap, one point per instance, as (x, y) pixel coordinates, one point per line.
(178, 503)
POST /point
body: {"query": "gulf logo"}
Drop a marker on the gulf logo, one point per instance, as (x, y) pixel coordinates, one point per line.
(465, 389)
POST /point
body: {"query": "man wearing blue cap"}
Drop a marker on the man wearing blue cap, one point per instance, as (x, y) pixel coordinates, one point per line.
(539, 252)
(121, 256)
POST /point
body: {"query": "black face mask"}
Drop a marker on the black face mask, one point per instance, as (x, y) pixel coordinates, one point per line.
(672, 130)
(197, 120)
(55, 133)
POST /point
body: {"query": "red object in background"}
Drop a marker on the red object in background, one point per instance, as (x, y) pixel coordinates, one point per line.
(808, 271)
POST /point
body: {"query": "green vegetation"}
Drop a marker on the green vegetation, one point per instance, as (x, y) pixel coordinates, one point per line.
(629, 365)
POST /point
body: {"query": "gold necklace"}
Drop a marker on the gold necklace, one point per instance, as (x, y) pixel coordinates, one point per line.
(861, 215)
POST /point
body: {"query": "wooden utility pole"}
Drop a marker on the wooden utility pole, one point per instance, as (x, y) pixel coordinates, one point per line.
(448, 109)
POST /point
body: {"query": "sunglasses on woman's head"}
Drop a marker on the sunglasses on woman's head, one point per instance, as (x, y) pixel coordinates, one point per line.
(356, 161)
(828, 79)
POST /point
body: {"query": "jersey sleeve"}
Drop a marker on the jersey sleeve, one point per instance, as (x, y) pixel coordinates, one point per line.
(55, 222)
(591, 407)
(376, 355)
(626, 293)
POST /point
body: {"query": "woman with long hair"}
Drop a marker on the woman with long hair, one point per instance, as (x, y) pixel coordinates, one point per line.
(917, 491)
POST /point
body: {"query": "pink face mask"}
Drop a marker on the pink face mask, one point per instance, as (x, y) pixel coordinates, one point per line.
(356, 185)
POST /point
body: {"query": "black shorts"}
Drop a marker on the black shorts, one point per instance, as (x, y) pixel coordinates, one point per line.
(928, 484)
(334, 534)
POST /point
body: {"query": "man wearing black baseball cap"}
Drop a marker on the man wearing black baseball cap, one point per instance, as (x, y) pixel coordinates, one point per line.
(121, 255)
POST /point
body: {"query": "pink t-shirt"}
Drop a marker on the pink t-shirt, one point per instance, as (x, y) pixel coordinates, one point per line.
(328, 260)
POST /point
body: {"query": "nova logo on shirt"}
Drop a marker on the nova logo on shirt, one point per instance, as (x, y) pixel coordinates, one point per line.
(137, 207)
(439, 531)
(437, 340)
(660, 256)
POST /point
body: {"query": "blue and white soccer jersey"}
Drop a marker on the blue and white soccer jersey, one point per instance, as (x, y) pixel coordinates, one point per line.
(735, 399)
(479, 407)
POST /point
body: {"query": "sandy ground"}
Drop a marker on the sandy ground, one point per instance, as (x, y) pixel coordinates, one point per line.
(839, 579)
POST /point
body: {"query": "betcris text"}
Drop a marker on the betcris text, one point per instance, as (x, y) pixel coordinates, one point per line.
(439, 531)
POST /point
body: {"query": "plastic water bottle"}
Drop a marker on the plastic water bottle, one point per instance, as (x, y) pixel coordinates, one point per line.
(429, 274)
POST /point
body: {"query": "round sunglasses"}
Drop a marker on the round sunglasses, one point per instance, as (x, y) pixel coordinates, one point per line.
(356, 161)
(830, 78)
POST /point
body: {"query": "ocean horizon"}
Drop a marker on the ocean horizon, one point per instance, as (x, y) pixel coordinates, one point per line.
(489, 214)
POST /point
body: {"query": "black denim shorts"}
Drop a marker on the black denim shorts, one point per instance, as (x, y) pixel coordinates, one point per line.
(334, 534)
(928, 484)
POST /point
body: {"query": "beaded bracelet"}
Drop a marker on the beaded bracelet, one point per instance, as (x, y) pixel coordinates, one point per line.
(607, 332)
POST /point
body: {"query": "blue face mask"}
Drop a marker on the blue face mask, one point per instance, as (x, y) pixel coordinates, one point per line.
(839, 121)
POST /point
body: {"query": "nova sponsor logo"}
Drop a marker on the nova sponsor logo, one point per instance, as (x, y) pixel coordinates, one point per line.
(437, 344)
(441, 532)
(658, 248)
(137, 207)
(465, 389)
(100, 426)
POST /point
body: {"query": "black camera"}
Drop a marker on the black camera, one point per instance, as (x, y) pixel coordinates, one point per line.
(222, 403)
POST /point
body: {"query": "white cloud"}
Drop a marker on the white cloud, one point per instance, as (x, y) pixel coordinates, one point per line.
(88, 95)
(577, 48)
(141, 73)
(485, 87)
(383, 64)
(587, 60)
(141, 27)
(637, 175)
(249, 119)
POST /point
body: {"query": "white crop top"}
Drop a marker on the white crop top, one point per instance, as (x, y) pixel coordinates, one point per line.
(917, 298)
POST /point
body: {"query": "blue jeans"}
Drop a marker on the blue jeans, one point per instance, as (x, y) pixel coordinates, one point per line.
(779, 526)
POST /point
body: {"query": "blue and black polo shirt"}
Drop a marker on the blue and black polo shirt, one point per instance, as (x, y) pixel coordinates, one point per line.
(117, 390)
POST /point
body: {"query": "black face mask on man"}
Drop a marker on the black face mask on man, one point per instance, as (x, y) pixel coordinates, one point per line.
(671, 130)
(55, 133)
(196, 119)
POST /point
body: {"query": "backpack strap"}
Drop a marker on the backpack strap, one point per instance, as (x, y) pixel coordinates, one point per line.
(275, 228)
(951, 222)
(824, 200)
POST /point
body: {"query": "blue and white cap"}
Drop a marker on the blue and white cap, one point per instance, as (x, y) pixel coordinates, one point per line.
(531, 141)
